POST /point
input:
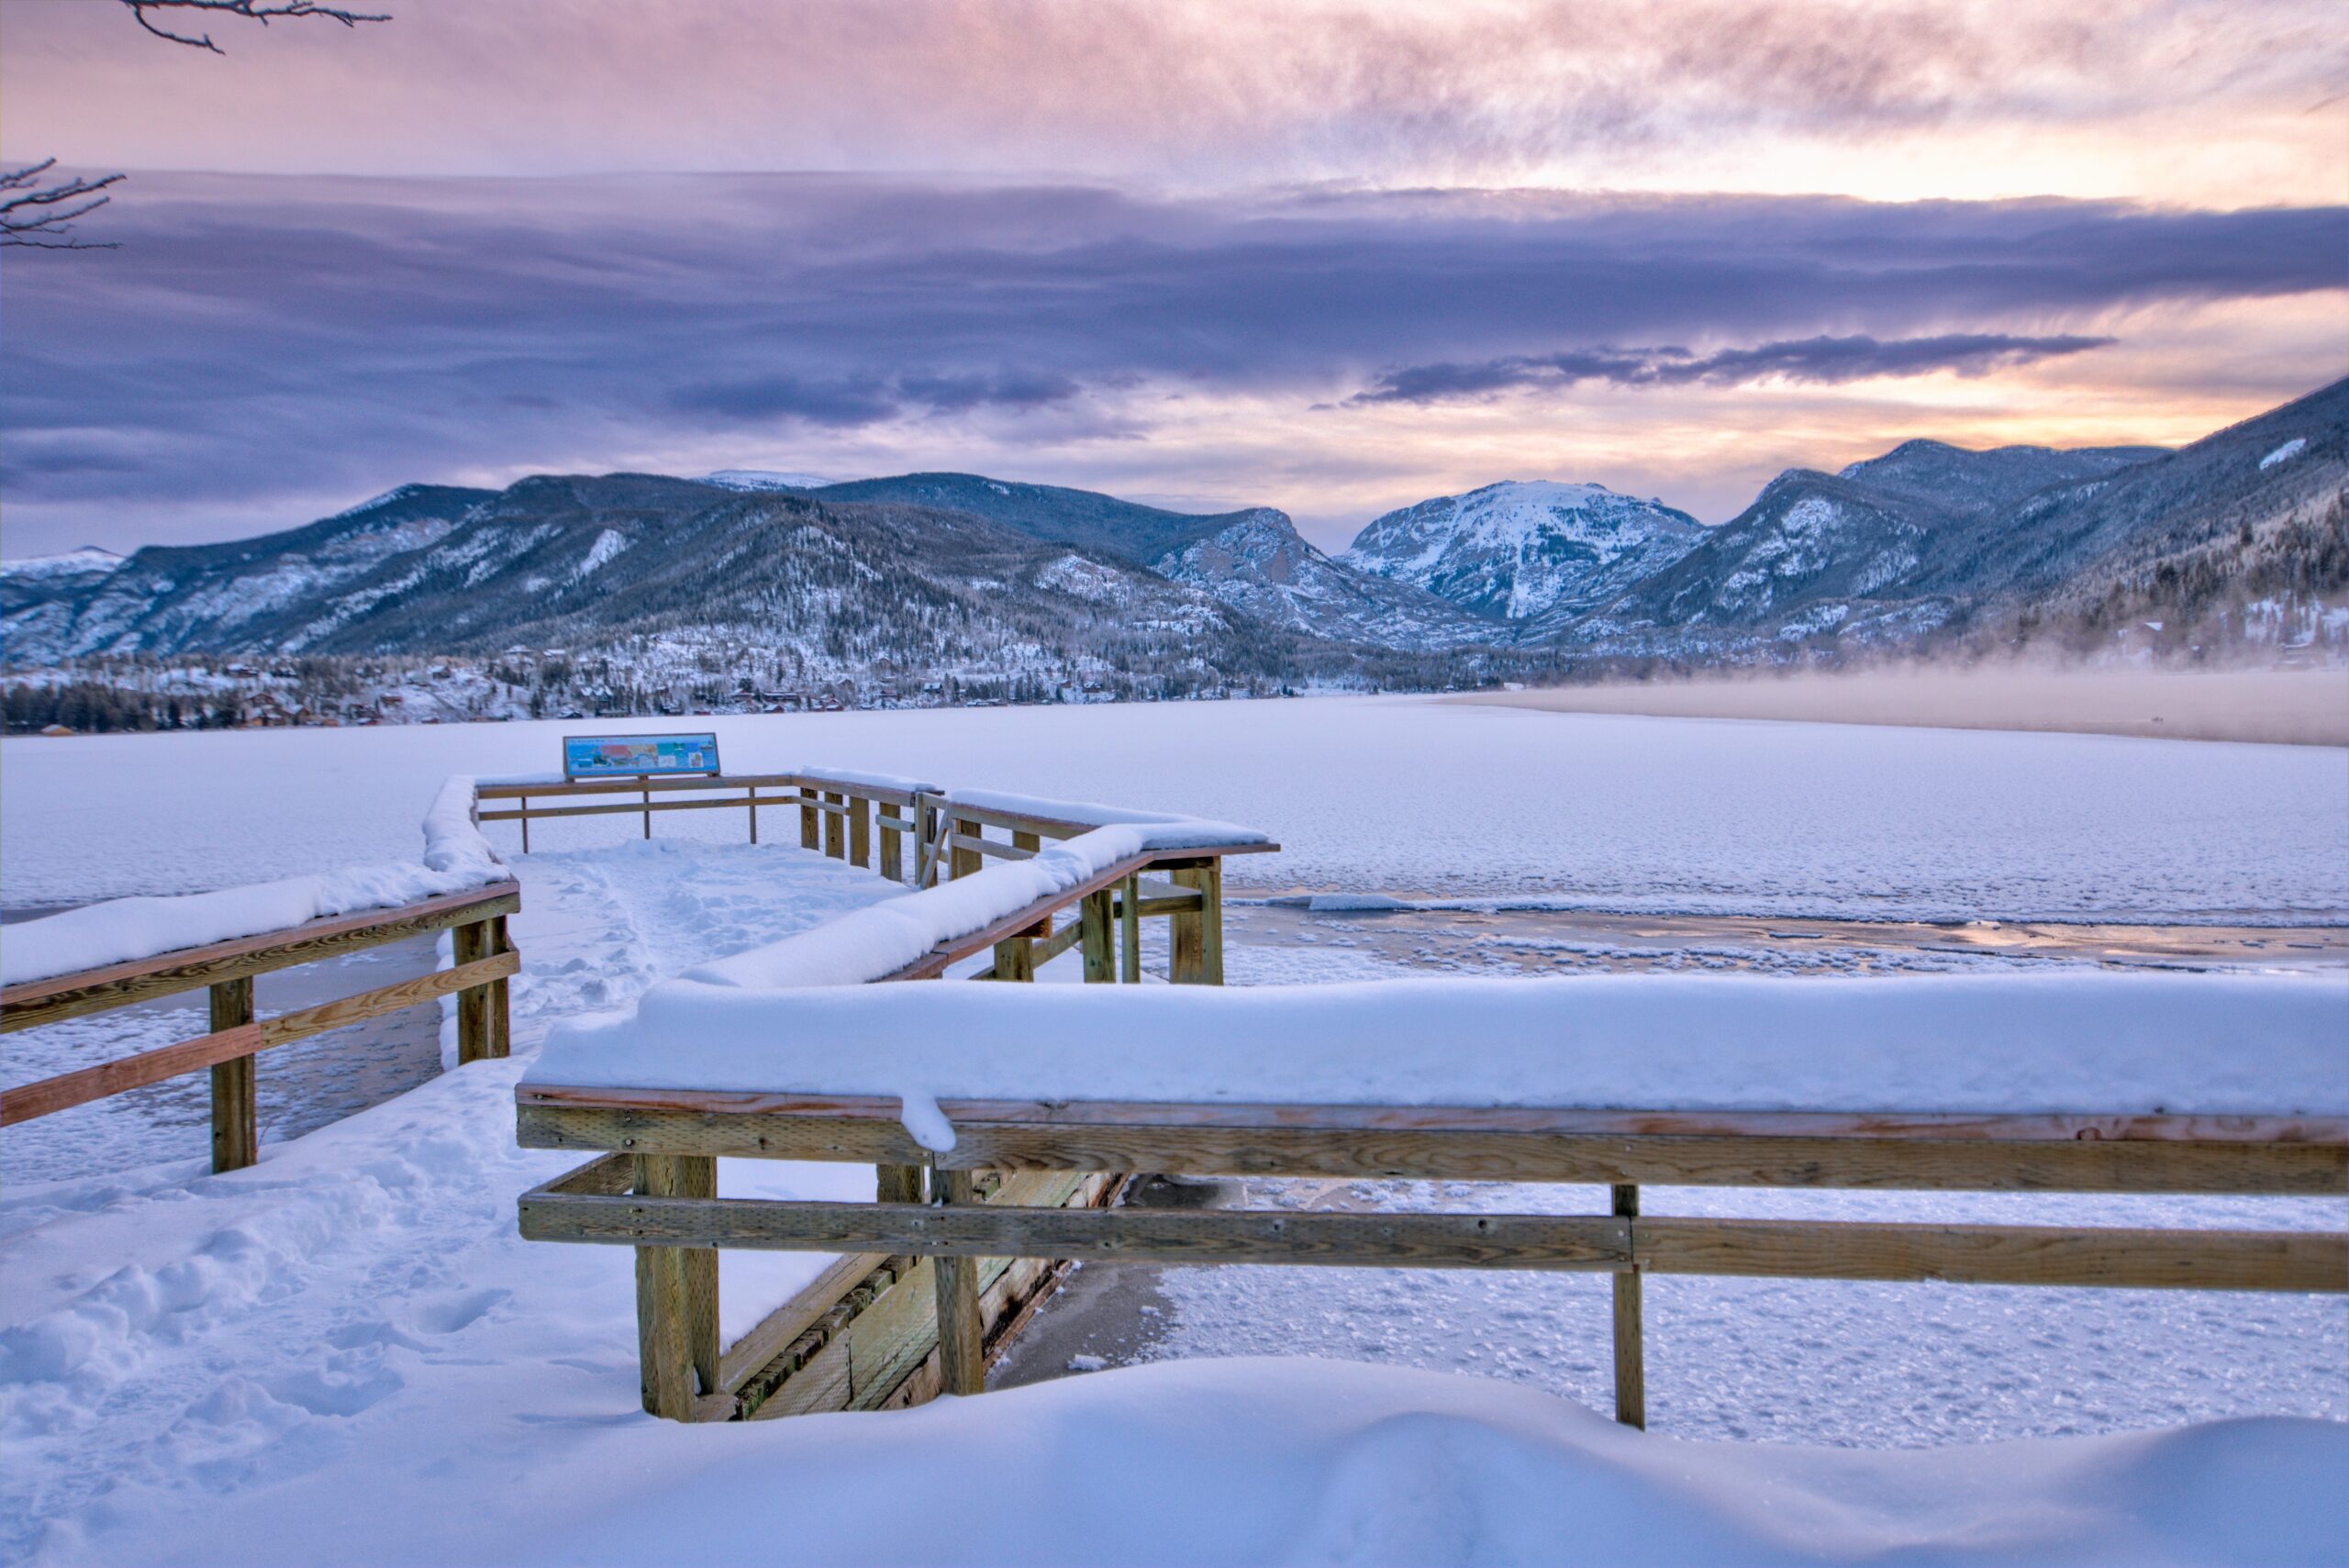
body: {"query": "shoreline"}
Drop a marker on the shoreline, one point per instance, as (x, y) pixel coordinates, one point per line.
(2289, 707)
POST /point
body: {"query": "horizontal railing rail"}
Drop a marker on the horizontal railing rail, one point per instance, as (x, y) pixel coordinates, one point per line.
(485, 961)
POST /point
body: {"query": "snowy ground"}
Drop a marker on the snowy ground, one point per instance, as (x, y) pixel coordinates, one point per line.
(345, 1354)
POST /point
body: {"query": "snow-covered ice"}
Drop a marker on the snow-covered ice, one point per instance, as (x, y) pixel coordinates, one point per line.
(1363, 794)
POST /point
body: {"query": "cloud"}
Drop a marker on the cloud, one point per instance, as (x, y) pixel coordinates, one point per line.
(1819, 360)
(257, 339)
(1200, 92)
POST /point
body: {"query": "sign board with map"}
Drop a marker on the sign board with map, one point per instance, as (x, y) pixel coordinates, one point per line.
(637, 756)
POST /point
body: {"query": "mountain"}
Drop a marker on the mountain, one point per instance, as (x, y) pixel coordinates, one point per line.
(1930, 537)
(1518, 552)
(1082, 517)
(168, 597)
(1790, 565)
(1260, 564)
(1955, 482)
(673, 579)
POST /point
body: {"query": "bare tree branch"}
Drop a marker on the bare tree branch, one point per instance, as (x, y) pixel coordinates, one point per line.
(41, 213)
(262, 11)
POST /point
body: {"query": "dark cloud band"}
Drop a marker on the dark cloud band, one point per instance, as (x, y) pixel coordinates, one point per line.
(1820, 361)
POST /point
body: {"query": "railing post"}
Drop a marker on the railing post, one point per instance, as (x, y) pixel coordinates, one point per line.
(501, 1015)
(647, 787)
(469, 943)
(961, 1340)
(893, 845)
(1630, 1355)
(1101, 948)
(752, 794)
(1195, 937)
(1129, 929)
(235, 1131)
(962, 862)
(525, 823)
(860, 831)
(676, 1296)
(835, 827)
(896, 1184)
(1014, 959)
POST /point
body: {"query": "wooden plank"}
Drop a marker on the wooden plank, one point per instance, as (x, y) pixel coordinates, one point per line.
(611, 1173)
(470, 944)
(1175, 1235)
(893, 844)
(698, 1179)
(836, 828)
(1173, 904)
(977, 845)
(2308, 1260)
(1092, 928)
(501, 1002)
(665, 1348)
(1130, 931)
(774, 1334)
(236, 1118)
(2060, 1127)
(1187, 943)
(35, 1002)
(631, 807)
(808, 819)
(962, 1337)
(807, 1128)
(860, 831)
(714, 782)
(881, 793)
(963, 851)
(2296, 1260)
(1014, 959)
(1067, 937)
(1631, 1351)
(45, 1096)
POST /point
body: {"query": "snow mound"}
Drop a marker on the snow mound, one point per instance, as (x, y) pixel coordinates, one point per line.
(456, 856)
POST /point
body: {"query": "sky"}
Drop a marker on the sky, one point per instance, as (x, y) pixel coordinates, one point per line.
(1331, 257)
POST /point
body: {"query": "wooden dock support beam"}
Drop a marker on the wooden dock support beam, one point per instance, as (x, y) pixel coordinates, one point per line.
(236, 1130)
(1631, 1351)
(962, 1345)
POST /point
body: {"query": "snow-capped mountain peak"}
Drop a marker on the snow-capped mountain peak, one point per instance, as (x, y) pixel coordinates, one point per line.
(765, 479)
(88, 562)
(1523, 549)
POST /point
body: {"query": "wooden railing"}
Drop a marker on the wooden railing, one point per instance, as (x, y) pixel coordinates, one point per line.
(666, 1198)
(485, 959)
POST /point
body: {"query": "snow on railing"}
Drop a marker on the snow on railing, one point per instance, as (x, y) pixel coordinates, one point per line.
(123, 931)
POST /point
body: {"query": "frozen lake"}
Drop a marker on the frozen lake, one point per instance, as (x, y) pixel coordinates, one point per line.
(1402, 795)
